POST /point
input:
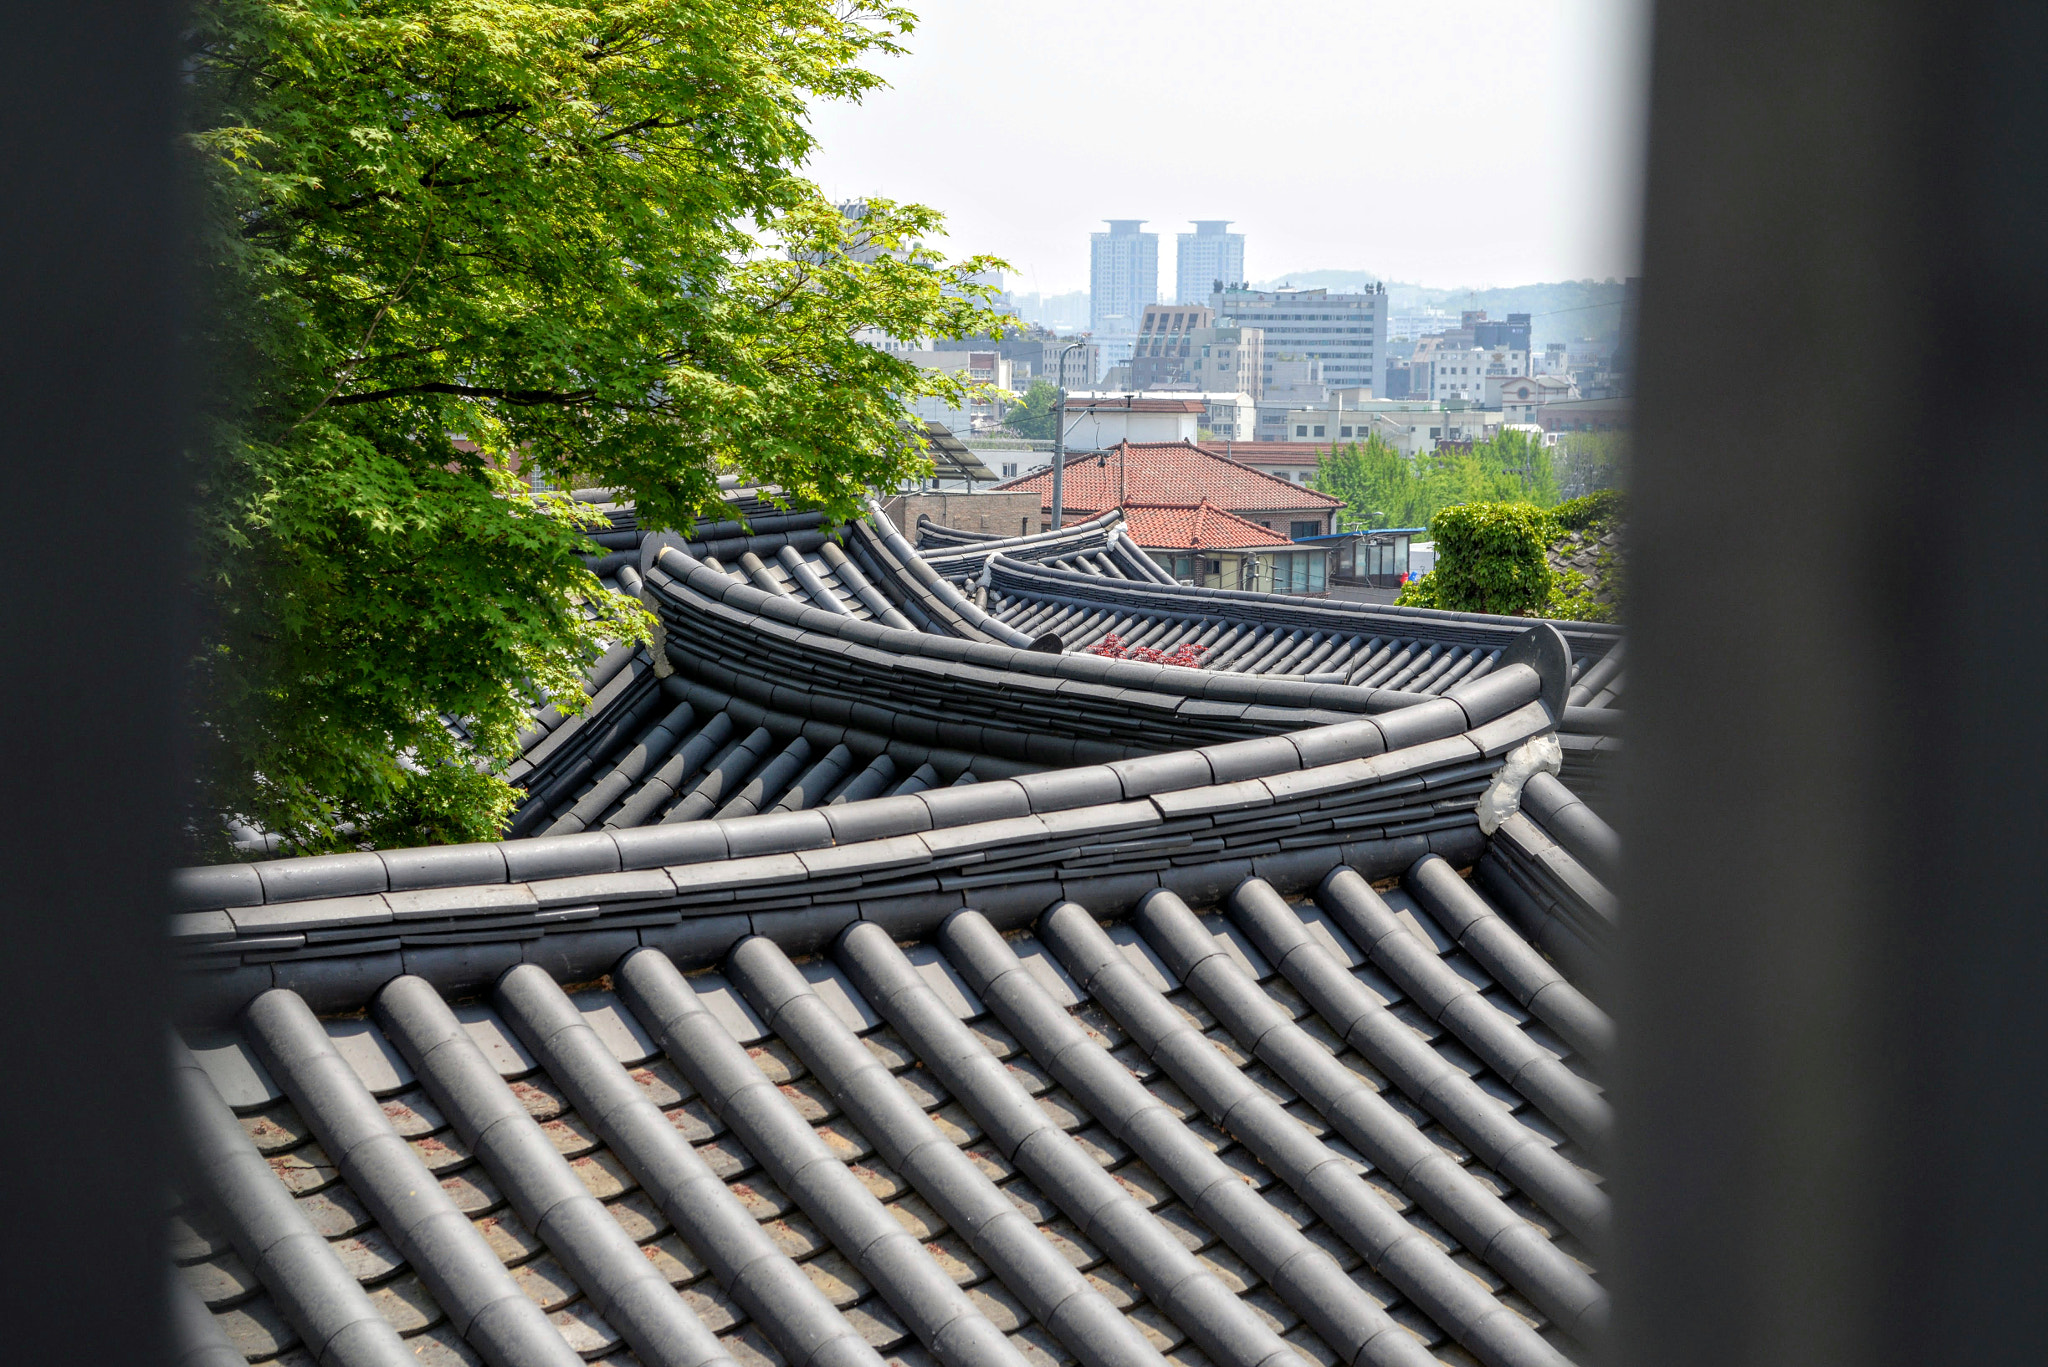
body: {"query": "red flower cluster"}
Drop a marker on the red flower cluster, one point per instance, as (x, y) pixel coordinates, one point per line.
(1187, 654)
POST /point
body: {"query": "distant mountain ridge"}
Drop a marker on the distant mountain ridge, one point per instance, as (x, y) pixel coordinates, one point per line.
(1561, 311)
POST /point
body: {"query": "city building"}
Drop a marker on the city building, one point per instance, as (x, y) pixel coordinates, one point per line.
(1109, 416)
(1109, 351)
(1407, 379)
(1519, 398)
(1421, 321)
(983, 514)
(983, 412)
(1163, 352)
(1511, 332)
(1037, 357)
(1227, 416)
(1412, 428)
(1462, 373)
(1295, 462)
(1605, 414)
(1229, 358)
(1206, 260)
(1206, 547)
(1377, 559)
(1291, 382)
(1123, 277)
(1347, 333)
(1179, 348)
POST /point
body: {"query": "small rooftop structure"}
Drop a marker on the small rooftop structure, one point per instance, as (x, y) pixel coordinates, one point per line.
(952, 459)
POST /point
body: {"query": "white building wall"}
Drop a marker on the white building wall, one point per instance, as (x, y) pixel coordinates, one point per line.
(1098, 429)
(1346, 332)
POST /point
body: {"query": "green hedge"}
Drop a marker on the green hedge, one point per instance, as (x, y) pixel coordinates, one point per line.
(1489, 558)
(1598, 510)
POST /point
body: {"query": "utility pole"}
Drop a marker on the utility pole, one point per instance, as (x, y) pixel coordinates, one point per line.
(1059, 441)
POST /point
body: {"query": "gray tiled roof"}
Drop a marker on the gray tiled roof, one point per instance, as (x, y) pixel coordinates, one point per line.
(805, 672)
(1116, 1064)
(1088, 581)
(770, 702)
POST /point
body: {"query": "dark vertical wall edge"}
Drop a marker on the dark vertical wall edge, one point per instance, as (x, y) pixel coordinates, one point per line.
(90, 239)
(1835, 1036)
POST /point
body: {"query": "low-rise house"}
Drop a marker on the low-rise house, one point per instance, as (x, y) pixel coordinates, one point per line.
(1182, 475)
(1378, 558)
(1519, 397)
(1209, 548)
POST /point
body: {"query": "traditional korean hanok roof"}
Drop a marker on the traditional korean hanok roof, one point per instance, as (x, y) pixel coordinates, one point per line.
(791, 678)
(1090, 580)
(1178, 474)
(1208, 1058)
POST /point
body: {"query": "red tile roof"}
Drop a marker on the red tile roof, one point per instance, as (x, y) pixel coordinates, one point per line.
(1169, 474)
(1203, 527)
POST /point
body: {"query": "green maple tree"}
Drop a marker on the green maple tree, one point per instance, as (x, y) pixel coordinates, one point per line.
(449, 246)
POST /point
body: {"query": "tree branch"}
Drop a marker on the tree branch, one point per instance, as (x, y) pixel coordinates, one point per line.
(528, 397)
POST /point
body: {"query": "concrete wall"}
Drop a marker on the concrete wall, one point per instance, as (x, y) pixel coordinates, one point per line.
(1012, 514)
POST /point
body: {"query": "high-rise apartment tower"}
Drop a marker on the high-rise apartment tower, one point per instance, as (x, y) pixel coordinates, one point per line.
(1205, 259)
(1123, 277)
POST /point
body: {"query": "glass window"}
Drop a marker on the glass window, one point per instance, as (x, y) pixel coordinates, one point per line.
(1343, 431)
(1301, 430)
(1319, 431)
(1316, 569)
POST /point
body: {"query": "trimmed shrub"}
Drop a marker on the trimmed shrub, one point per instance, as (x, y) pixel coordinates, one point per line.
(1596, 511)
(1490, 558)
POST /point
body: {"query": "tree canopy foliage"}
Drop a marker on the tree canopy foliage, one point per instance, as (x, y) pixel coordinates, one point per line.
(1035, 416)
(452, 245)
(1383, 488)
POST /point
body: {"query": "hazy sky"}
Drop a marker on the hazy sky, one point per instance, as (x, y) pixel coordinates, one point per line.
(1444, 142)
